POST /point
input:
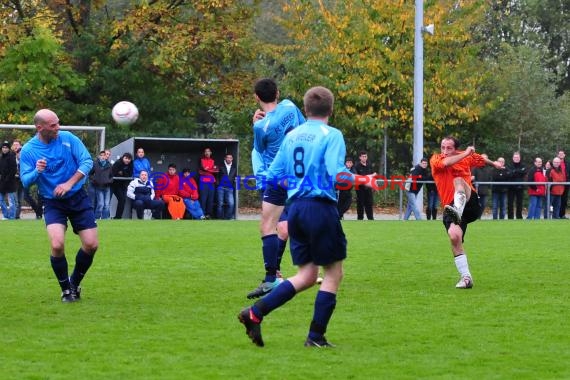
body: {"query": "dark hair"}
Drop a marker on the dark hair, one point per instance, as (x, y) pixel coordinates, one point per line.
(266, 90)
(362, 152)
(172, 166)
(456, 143)
(128, 155)
(186, 170)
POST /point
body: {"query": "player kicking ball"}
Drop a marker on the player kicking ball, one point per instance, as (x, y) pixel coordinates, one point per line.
(451, 170)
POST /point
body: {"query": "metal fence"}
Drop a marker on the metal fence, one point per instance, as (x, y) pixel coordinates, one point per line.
(476, 184)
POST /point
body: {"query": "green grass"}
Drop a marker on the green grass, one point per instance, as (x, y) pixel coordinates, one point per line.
(161, 300)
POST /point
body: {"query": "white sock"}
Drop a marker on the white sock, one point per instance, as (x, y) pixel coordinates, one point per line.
(462, 265)
(459, 199)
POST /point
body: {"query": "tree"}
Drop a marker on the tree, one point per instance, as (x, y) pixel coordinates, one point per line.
(363, 51)
(528, 117)
(35, 73)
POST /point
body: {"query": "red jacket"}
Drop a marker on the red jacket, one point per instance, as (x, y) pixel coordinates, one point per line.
(557, 176)
(188, 188)
(167, 185)
(536, 175)
(207, 170)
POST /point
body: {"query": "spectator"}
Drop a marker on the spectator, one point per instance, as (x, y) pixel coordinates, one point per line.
(418, 173)
(432, 197)
(141, 163)
(122, 174)
(225, 191)
(208, 171)
(23, 193)
(8, 182)
(499, 192)
(168, 189)
(345, 196)
(190, 196)
(101, 179)
(566, 170)
(556, 174)
(364, 198)
(546, 171)
(517, 173)
(141, 191)
(483, 174)
(536, 192)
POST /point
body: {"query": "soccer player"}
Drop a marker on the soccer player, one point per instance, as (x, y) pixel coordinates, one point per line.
(311, 156)
(270, 125)
(451, 170)
(57, 161)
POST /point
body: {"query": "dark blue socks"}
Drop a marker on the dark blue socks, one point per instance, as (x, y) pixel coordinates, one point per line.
(278, 296)
(281, 249)
(324, 307)
(270, 247)
(59, 266)
(82, 263)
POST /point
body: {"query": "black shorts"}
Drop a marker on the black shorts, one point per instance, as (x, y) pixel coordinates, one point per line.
(471, 213)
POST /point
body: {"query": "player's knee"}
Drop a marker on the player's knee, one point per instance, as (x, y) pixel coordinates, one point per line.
(90, 247)
(282, 231)
(455, 237)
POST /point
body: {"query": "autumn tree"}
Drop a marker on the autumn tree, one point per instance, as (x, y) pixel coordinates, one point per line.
(363, 50)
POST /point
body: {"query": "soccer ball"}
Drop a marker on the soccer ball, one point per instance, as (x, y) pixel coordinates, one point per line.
(125, 113)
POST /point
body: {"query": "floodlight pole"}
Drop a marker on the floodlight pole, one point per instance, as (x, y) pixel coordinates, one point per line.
(418, 152)
(418, 83)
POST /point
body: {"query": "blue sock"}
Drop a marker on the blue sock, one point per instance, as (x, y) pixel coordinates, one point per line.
(281, 244)
(278, 296)
(270, 247)
(82, 263)
(325, 303)
(59, 266)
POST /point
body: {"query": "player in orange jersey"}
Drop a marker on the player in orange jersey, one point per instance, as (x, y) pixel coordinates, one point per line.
(451, 170)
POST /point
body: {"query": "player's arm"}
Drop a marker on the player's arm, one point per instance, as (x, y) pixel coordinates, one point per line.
(452, 160)
(259, 139)
(28, 172)
(277, 171)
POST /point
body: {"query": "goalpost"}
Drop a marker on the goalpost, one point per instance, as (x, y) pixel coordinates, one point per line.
(96, 130)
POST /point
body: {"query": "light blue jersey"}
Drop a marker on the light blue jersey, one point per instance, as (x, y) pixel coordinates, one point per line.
(259, 168)
(65, 155)
(309, 160)
(268, 133)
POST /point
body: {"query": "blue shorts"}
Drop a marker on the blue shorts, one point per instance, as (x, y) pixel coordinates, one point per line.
(315, 232)
(275, 197)
(77, 208)
(275, 194)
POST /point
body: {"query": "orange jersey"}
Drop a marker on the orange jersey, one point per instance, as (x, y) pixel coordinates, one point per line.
(443, 175)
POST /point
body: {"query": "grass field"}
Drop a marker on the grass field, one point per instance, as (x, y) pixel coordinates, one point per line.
(161, 300)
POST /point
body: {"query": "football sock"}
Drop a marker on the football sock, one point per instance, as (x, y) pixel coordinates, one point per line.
(278, 296)
(462, 265)
(59, 266)
(459, 200)
(325, 303)
(270, 247)
(82, 263)
(282, 244)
